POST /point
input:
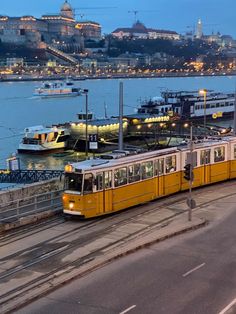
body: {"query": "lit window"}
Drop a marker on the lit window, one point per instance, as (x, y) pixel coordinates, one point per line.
(205, 157)
(219, 154)
(170, 164)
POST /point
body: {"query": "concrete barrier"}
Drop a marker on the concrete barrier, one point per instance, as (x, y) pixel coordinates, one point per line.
(28, 190)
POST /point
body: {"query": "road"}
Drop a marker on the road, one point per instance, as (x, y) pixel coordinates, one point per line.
(192, 273)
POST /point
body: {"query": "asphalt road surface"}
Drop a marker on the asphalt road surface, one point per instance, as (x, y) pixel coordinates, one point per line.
(194, 273)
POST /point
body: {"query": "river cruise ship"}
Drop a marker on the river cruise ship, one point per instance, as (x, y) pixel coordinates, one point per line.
(191, 104)
(57, 89)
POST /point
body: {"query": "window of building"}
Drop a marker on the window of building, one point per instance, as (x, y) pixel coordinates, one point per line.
(147, 169)
(219, 154)
(159, 167)
(120, 176)
(170, 164)
(205, 157)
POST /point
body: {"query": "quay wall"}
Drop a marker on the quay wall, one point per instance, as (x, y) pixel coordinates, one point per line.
(29, 190)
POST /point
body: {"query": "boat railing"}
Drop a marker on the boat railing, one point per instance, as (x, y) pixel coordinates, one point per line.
(31, 141)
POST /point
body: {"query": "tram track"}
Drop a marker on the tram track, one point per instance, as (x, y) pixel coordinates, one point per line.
(85, 235)
(69, 266)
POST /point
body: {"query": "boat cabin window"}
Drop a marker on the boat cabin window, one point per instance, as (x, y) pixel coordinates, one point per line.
(120, 176)
(159, 167)
(73, 182)
(170, 164)
(205, 157)
(147, 169)
(52, 136)
(88, 183)
(219, 154)
(134, 173)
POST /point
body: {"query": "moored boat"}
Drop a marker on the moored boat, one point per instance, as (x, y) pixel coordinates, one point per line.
(191, 104)
(57, 89)
(40, 139)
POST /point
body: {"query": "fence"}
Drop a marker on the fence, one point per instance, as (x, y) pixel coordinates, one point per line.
(32, 205)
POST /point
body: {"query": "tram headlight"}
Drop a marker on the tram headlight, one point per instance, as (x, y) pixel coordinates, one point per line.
(71, 205)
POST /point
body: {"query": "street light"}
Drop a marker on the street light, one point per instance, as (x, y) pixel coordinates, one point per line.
(204, 93)
(85, 91)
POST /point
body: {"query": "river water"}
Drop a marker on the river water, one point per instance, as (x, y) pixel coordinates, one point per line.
(18, 109)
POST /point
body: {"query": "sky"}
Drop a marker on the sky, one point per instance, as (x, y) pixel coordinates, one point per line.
(176, 15)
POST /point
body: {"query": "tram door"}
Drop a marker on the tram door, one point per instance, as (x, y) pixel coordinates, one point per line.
(104, 192)
(205, 159)
(159, 169)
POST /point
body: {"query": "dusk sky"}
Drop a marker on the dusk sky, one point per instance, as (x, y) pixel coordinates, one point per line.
(178, 15)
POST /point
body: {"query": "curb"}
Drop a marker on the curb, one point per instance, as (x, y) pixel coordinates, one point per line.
(28, 220)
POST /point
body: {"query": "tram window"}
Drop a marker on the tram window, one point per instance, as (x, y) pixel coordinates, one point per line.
(170, 164)
(205, 157)
(147, 169)
(99, 181)
(219, 154)
(73, 181)
(88, 183)
(234, 151)
(159, 167)
(134, 173)
(120, 176)
(108, 179)
(194, 159)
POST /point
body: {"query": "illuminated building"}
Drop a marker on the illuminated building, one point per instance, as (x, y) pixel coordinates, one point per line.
(89, 30)
(57, 29)
(139, 31)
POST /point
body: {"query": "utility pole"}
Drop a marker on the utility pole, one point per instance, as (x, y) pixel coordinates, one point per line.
(235, 112)
(121, 105)
(86, 122)
(189, 176)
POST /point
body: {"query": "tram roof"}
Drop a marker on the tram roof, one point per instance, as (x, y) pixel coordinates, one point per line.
(114, 160)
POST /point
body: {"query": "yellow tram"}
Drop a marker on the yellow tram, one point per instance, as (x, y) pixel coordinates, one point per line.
(113, 182)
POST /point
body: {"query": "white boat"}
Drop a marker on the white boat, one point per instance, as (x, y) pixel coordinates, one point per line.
(57, 89)
(40, 139)
(191, 105)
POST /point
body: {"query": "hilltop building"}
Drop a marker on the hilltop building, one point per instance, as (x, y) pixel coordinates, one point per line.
(60, 30)
(199, 32)
(89, 30)
(140, 31)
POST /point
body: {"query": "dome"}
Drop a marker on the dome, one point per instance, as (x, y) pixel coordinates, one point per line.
(66, 10)
(66, 6)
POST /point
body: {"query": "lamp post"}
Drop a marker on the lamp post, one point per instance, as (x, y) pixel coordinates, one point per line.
(85, 91)
(204, 93)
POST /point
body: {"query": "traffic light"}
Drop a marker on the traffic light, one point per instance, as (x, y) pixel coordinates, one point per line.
(188, 172)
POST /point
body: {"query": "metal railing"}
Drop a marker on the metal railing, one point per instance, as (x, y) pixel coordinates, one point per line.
(14, 210)
(28, 176)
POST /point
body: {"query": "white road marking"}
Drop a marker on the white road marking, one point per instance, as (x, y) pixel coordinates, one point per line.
(129, 309)
(228, 307)
(192, 270)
